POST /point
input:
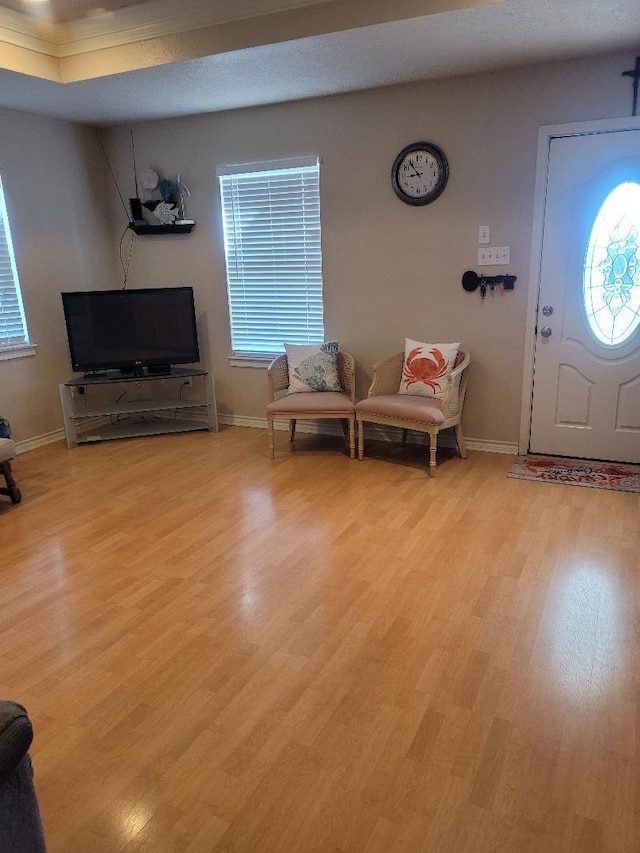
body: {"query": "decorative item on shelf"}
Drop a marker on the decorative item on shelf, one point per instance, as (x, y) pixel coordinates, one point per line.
(182, 190)
(174, 192)
(150, 180)
(168, 210)
(165, 213)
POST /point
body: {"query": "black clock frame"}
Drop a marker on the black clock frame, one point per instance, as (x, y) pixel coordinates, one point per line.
(438, 189)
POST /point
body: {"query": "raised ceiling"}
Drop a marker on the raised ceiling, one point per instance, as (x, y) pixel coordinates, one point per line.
(124, 61)
(62, 11)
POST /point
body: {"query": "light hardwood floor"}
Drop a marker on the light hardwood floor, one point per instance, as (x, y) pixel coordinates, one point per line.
(224, 653)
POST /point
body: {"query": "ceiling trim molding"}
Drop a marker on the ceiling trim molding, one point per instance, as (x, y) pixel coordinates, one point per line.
(132, 24)
(135, 37)
(25, 32)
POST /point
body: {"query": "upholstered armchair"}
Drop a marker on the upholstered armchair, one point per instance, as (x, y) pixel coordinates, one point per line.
(7, 452)
(316, 405)
(20, 823)
(384, 405)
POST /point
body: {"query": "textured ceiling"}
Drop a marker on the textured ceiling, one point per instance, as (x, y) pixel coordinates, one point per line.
(62, 11)
(288, 53)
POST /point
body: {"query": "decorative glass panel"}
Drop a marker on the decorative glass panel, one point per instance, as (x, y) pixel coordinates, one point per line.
(612, 267)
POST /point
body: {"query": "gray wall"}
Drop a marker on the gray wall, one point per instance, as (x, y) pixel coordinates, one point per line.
(53, 178)
(390, 271)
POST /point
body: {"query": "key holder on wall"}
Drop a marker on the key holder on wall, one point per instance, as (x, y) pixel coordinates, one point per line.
(472, 281)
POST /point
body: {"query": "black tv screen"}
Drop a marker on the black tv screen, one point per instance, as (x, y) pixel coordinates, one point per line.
(131, 330)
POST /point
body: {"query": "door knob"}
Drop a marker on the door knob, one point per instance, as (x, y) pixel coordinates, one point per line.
(545, 331)
(547, 310)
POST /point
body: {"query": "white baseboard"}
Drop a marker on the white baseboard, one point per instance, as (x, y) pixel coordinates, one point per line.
(39, 441)
(375, 431)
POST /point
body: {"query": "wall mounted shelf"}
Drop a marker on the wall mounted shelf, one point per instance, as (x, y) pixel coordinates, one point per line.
(176, 228)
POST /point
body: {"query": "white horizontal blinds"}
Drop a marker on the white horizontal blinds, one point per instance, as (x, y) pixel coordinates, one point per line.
(13, 326)
(271, 215)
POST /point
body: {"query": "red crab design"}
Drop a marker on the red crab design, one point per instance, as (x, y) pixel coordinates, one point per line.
(426, 370)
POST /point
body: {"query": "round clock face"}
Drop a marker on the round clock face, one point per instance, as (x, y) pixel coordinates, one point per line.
(419, 173)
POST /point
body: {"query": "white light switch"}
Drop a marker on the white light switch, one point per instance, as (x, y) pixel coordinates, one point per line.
(484, 234)
(494, 256)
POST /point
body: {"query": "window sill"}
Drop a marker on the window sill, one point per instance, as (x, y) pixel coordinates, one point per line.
(260, 361)
(22, 351)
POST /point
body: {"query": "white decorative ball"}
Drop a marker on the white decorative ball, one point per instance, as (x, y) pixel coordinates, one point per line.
(150, 179)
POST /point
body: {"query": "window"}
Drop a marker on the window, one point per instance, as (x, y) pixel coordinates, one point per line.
(271, 218)
(611, 281)
(13, 325)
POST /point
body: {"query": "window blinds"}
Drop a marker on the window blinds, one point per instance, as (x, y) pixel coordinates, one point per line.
(271, 217)
(13, 327)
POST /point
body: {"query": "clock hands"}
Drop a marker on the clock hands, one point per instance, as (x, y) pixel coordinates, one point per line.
(416, 173)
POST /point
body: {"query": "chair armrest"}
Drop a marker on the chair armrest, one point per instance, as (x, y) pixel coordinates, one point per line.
(386, 376)
(347, 374)
(16, 735)
(278, 376)
(457, 389)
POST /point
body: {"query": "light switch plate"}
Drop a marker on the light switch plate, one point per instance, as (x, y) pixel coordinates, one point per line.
(494, 256)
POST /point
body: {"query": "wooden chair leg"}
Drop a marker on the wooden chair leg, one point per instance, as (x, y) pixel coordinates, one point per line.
(433, 447)
(272, 445)
(292, 429)
(12, 489)
(349, 434)
(462, 450)
(360, 438)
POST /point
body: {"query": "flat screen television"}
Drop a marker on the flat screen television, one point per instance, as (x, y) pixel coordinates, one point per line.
(131, 331)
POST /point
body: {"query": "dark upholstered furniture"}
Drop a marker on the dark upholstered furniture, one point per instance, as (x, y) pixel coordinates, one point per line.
(20, 824)
(7, 452)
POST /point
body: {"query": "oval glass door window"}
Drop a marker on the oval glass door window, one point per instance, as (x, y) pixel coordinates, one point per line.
(611, 279)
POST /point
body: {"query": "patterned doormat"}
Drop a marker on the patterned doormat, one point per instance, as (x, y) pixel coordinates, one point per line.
(577, 472)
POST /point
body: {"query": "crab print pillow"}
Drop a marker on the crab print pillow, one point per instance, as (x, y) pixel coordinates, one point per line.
(426, 368)
(313, 367)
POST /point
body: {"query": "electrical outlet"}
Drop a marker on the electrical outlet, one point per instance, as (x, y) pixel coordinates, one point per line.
(484, 234)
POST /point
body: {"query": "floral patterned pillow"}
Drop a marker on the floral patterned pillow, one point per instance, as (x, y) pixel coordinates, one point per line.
(426, 368)
(313, 367)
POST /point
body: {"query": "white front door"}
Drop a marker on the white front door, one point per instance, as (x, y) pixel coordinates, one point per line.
(586, 386)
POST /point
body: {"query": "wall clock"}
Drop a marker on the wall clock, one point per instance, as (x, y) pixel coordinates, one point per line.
(419, 173)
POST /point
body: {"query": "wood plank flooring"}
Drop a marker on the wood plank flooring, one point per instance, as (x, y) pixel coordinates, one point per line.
(224, 653)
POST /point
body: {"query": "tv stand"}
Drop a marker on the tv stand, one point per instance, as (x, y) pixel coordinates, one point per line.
(98, 408)
(159, 370)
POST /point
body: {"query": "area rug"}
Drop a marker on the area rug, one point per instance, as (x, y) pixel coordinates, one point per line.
(577, 472)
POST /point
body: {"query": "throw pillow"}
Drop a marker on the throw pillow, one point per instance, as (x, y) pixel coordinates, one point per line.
(426, 368)
(313, 367)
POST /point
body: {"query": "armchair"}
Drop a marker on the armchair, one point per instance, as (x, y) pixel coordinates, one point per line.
(384, 405)
(7, 452)
(20, 823)
(311, 405)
